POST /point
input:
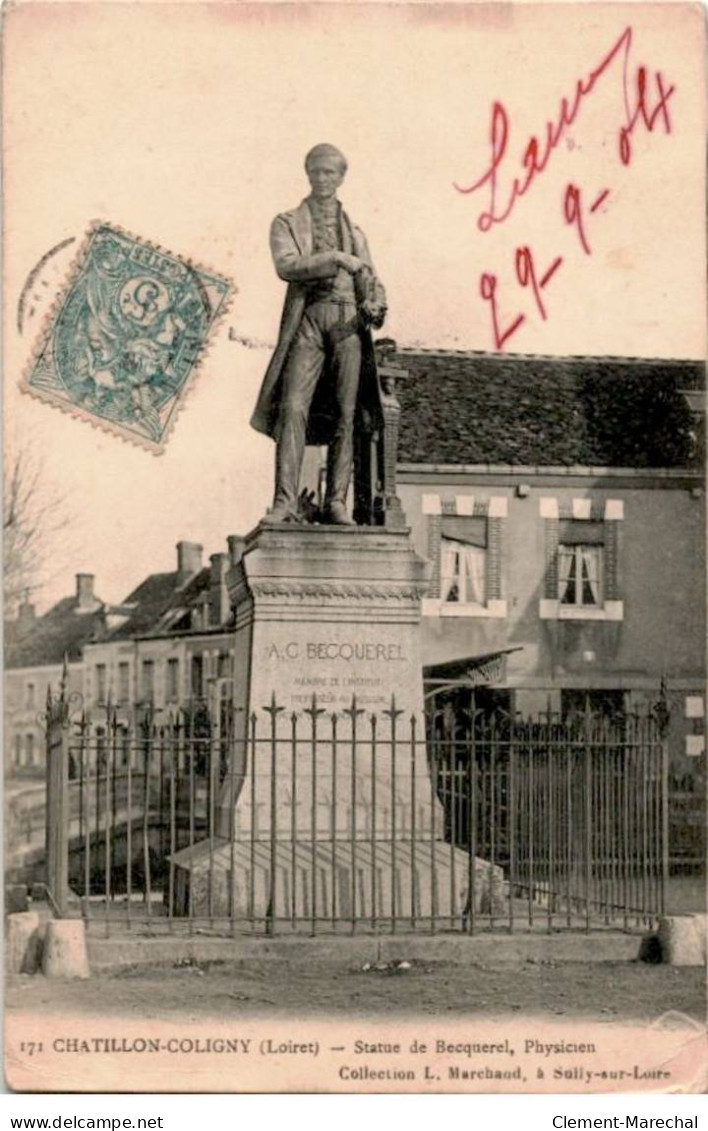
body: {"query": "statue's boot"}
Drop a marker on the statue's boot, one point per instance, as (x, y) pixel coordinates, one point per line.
(282, 512)
(336, 515)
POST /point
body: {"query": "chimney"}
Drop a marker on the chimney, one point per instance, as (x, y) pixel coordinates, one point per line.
(189, 559)
(236, 545)
(219, 604)
(85, 600)
(26, 614)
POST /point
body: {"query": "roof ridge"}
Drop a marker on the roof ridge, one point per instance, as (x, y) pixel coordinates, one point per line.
(508, 355)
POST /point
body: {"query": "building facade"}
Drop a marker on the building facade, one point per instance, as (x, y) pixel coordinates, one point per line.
(168, 644)
(560, 504)
(38, 651)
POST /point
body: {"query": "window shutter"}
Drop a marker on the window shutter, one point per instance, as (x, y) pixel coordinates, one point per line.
(573, 532)
(471, 531)
(611, 561)
(552, 531)
(495, 528)
(434, 552)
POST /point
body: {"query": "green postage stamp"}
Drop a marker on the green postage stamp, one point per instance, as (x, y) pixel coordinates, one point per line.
(124, 338)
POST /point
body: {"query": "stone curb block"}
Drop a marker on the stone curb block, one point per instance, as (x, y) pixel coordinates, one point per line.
(682, 939)
(24, 942)
(121, 952)
(65, 952)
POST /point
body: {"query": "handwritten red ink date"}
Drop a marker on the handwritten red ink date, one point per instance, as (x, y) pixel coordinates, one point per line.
(537, 153)
(645, 103)
(526, 276)
(573, 213)
(488, 291)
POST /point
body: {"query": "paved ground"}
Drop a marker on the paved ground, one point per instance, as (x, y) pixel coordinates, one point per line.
(606, 991)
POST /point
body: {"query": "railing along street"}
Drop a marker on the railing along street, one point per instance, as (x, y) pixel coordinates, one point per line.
(352, 822)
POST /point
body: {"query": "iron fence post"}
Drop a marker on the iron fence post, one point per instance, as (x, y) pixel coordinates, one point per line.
(664, 824)
(58, 816)
(273, 710)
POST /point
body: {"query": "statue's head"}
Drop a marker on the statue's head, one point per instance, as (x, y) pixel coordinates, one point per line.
(326, 167)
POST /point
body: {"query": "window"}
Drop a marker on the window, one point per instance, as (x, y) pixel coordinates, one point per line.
(101, 749)
(463, 560)
(124, 682)
(29, 699)
(172, 680)
(601, 704)
(123, 746)
(223, 666)
(580, 575)
(462, 570)
(197, 676)
(148, 681)
(465, 546)
(100, 683)
(596, 707)
(582, 550)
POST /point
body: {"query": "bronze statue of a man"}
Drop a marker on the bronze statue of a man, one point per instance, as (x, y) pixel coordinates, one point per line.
(322, 374)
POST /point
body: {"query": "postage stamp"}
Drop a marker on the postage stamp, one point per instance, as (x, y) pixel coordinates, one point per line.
(123, 340)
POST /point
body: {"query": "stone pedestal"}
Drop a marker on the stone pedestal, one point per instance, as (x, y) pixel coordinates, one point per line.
(327, 623)
(329, 783)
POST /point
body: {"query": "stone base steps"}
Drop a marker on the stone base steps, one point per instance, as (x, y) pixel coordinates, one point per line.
(335, 880)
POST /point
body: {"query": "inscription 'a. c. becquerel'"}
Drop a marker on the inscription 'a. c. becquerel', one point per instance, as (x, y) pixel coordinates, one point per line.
(336, 650)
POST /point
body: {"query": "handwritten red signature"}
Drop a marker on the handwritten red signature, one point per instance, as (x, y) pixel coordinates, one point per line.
(537, 154)
(639, 109)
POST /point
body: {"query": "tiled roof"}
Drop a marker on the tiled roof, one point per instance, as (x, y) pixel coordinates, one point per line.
(473, 408)
(62, 631)
(160, 602)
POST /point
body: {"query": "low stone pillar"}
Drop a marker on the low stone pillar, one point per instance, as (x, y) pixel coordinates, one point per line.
(65, 953)
(682, 939)
(24, 944)
(16, 899)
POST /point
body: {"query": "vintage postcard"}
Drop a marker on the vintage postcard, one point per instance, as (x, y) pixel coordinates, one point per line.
(354, 547)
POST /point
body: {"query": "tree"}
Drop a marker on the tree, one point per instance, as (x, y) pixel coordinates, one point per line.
(34, 512)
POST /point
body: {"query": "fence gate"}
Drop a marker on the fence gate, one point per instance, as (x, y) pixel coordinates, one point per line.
(356, 823)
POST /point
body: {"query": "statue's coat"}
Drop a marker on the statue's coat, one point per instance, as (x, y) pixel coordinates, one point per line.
(291, 248)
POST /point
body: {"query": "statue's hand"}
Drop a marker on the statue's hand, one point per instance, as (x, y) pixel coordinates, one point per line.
(373, 313)
(350, 263)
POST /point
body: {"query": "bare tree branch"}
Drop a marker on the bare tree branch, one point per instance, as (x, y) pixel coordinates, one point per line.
(34, 512)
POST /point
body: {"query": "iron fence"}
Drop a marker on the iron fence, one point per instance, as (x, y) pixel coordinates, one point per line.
(352, 822)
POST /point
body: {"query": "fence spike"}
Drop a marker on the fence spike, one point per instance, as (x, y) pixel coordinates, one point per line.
(314, 711)
(272, 708)
(393, 711)
(353, 712)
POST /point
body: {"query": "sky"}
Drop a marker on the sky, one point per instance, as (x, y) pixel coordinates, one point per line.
(187, 124)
